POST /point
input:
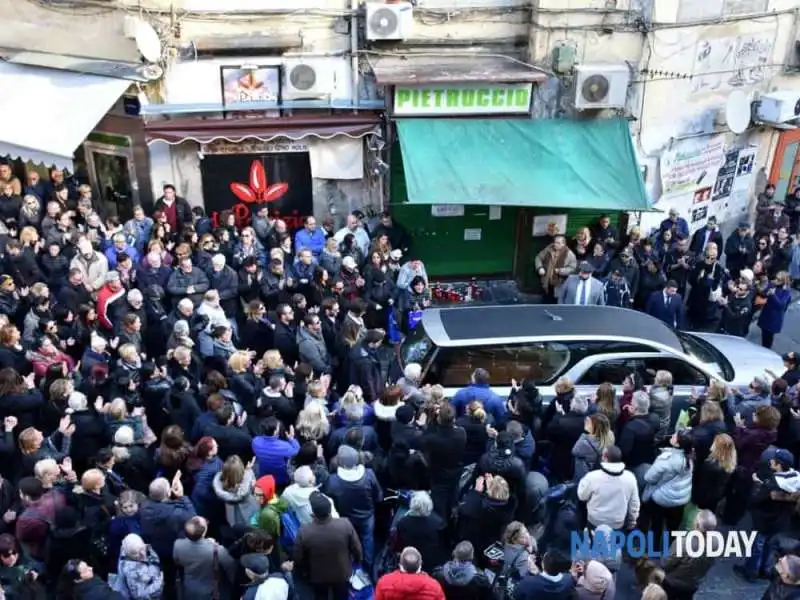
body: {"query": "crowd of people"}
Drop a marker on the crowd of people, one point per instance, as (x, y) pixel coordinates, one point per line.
(680, 278)
(205, 410)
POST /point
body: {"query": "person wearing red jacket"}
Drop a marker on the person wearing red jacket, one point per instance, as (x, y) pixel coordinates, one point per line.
(409, 581)
(110, 302)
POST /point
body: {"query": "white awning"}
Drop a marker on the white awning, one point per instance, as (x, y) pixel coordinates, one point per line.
(45, 114)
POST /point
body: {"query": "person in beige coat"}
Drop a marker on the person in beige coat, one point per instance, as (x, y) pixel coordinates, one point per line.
(92, 264)
(554, 264)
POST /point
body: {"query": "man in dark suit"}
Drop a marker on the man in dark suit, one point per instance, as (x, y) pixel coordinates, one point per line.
(706, 235)
(666, 305)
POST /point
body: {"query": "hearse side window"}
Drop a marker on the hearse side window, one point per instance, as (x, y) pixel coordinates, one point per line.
(682, 372)
(537, 362)
(612, 371)
(584, 349)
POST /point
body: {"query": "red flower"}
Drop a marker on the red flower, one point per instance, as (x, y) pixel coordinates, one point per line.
(258, 191)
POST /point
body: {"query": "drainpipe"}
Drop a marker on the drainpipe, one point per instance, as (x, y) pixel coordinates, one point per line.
(354, 51)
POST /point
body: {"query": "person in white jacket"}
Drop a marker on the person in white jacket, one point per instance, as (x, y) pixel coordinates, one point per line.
(297, 495)
(610, 492)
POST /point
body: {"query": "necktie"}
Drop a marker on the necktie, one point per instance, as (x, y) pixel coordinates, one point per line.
(584, 285)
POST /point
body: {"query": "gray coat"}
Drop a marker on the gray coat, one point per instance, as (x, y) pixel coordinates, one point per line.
(195, 560)
(661, 406)
(332, 263)
(313, 351)
(180, 281)
(567, 292)
(587, 455)
(240, 504)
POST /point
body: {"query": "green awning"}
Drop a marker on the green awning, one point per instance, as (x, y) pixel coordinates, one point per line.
(522, 162)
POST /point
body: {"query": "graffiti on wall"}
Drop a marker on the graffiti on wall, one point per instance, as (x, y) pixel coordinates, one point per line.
(727, 63)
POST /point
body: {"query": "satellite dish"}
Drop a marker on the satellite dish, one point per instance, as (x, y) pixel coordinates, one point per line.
(738, 111)
(595, 88)
(148, 42)
(151, 72)
(384, 22)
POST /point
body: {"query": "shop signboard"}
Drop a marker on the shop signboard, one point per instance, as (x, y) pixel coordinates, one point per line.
(244, 183)
(463, 99)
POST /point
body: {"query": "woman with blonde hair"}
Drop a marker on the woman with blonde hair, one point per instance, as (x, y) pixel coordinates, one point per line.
(707, 423)
(474, 423)
(29, 238)
(581, 244)
(312, 423)
(485, 511)
(606, 402)
(234, 486)
(588, 450)
(245, 383)
(712, 475)
(352, 397)
(273, 364)
(518, 548)
(34, 446)
(30, 213)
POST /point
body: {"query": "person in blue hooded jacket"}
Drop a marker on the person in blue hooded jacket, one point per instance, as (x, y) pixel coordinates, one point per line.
(478, 389)
(273, 450)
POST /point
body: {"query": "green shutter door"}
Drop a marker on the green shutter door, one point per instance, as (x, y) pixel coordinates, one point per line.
(439, 241)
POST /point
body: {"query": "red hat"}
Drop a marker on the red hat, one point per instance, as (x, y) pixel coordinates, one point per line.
(267, 485)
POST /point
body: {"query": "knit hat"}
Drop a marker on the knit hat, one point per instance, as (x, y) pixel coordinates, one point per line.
(267, 485)
(320, 505)
(405, 414)
(112, 277)
(596, 577)
(347, 457)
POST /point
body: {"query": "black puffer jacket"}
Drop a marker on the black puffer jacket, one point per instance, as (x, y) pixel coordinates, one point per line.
(637, 440)
(506, 464)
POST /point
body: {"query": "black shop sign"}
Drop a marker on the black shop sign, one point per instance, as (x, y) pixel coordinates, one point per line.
(244, 183)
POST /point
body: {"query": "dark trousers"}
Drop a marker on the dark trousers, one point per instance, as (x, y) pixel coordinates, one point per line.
(676, 594)
(332, 591)
(767, 339)
(660, 519)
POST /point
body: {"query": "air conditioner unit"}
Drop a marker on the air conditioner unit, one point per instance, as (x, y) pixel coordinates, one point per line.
(778, 107)
(308, 79)
(599, 86)
(389, 21)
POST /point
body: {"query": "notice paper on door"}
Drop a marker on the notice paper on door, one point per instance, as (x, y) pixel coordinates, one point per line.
(495, 213)
(472, 235)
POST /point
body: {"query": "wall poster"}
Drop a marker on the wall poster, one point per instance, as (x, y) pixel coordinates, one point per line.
(243, 183)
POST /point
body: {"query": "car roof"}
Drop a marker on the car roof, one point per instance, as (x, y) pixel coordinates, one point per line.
(459, 325)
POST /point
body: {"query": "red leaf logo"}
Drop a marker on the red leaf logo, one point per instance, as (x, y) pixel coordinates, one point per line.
(258, 191)
(258, 177)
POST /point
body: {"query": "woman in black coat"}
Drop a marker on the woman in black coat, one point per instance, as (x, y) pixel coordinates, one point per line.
(19, 398)
(710, 479)
(256, 333)
(424, 530)
(91, 433)
(484, 514)
(563, 431)
(474, 423)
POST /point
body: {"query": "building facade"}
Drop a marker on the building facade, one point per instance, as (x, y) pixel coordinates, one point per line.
(334, 98)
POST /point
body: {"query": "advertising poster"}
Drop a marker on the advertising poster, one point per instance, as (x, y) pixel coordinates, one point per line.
(259, 84)
(692, 164)
(244, 183)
